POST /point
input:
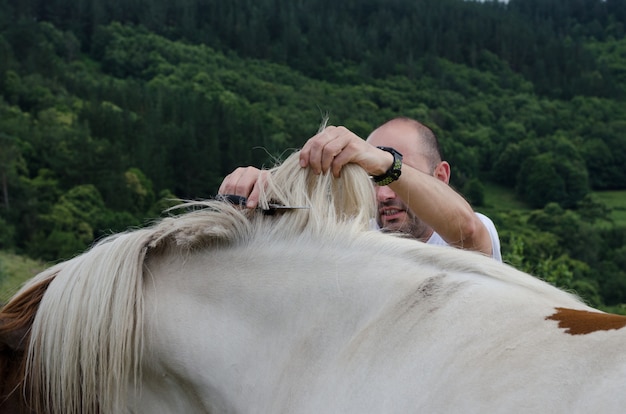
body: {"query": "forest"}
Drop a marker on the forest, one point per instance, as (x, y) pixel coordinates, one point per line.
(112, 110)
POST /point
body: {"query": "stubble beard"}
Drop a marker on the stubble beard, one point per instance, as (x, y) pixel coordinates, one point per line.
(411, 225)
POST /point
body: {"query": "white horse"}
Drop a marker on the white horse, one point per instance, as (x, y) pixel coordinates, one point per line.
(227, 310)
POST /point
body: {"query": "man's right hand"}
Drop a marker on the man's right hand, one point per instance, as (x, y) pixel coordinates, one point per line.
(335, 147)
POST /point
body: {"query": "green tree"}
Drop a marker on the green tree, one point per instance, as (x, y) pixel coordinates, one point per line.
(597, 155)
(562, 272)
(548, 178)
(7, 233)
(12, 164)
(474, 191)
(538, 182)
(140, 191)
(69, 227)
(578, 238)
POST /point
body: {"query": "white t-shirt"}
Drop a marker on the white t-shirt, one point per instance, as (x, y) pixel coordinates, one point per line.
(436, 239)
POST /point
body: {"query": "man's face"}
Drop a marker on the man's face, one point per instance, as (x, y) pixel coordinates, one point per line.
(395, 216)
(393, 213)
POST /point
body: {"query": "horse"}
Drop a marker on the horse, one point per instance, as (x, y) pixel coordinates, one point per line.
(223, 309)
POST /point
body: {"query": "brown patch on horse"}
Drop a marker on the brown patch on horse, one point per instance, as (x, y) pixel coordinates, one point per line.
(580, 322)
(16, 319)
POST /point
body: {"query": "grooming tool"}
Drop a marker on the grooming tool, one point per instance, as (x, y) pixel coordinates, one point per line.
(271, 210)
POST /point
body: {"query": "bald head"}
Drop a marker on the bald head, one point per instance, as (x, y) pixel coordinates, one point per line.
(417, 143)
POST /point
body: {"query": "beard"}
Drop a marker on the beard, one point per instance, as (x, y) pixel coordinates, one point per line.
(395, 217)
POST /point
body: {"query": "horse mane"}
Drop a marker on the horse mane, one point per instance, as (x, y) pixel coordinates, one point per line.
(81, 321)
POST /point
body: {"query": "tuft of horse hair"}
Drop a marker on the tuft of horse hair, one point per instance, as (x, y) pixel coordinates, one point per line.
(349, 199)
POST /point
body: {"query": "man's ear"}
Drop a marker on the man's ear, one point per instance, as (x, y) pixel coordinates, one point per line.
(442, 172)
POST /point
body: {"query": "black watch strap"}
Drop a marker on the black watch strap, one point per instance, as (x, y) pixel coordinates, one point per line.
(393, 173)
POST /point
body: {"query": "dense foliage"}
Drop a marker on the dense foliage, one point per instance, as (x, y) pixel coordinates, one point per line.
(109, 110)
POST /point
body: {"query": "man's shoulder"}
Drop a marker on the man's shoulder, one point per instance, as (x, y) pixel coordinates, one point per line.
(437, 240)
(493, 234)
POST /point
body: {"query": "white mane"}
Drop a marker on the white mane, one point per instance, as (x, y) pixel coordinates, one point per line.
(87, 338)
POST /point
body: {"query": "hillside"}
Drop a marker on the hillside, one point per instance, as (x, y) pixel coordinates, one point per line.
(109, 111)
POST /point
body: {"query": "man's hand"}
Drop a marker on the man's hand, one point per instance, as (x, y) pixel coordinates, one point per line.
(246, 182)
(335, 147)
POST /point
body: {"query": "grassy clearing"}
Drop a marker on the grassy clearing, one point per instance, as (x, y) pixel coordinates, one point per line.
(499, 198)
(14, 271)
(616, 201)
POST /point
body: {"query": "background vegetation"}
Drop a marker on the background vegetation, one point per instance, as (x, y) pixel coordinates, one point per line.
(110, 109)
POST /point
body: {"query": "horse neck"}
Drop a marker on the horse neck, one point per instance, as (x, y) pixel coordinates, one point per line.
(236, 328)
(252, 313)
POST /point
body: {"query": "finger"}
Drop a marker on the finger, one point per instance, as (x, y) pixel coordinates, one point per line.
(341, 159)
(312, 152)
(259, 186)
(325, 148)
(240, 182)
(357, 151)
(338, 152)
(226, 184)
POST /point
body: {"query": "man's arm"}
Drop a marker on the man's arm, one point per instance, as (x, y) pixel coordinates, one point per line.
(443, 209)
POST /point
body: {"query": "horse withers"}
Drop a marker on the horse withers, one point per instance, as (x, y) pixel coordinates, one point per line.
(223, 309)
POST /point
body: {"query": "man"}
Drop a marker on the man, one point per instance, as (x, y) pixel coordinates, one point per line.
(413, 193)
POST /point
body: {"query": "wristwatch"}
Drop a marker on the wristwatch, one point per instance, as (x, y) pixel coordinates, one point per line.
(393, 173)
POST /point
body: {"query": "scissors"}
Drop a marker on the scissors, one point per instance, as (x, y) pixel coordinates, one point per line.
(270, 211)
